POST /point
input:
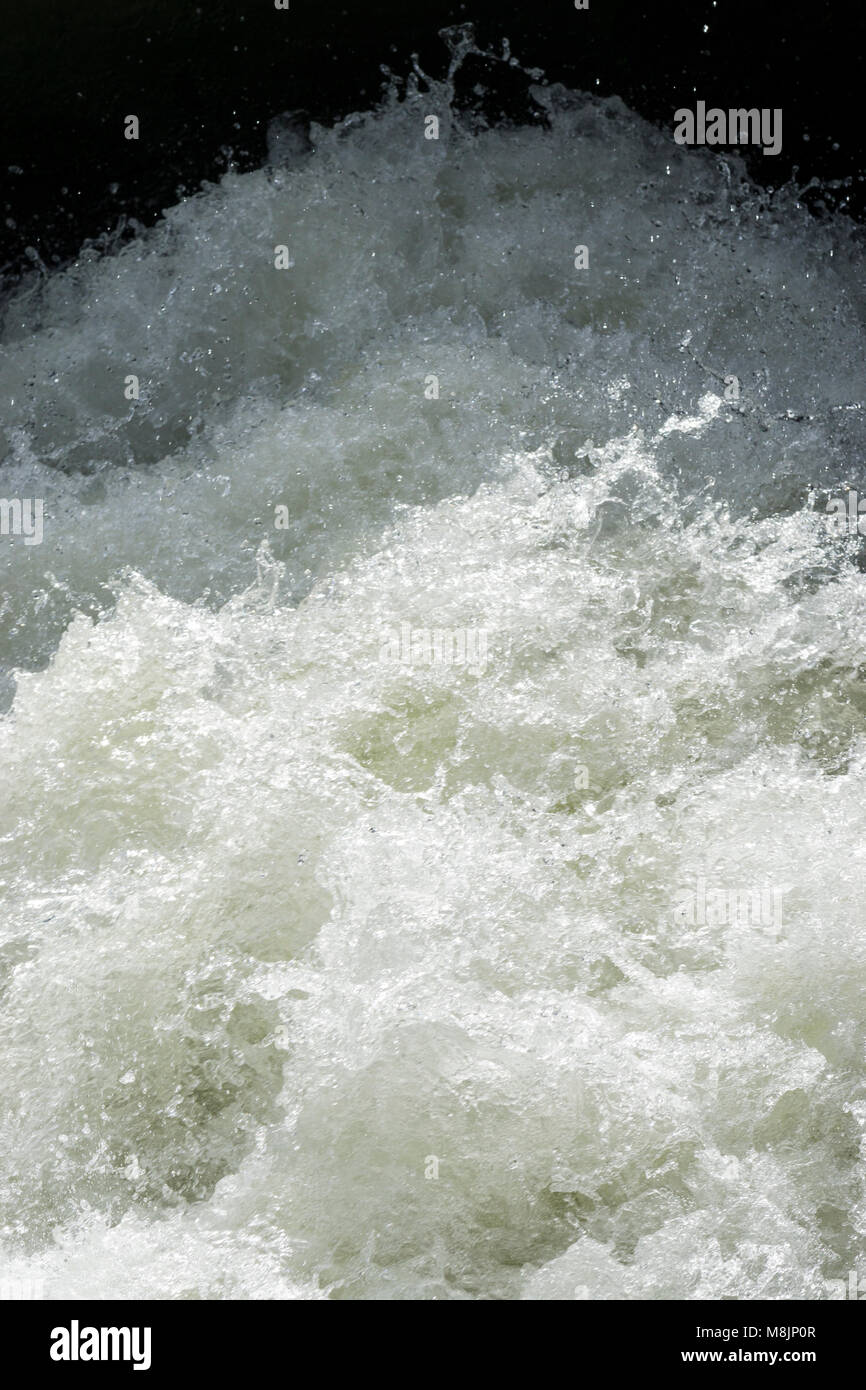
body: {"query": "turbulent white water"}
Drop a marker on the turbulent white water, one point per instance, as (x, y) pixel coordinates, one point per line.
(330, 975)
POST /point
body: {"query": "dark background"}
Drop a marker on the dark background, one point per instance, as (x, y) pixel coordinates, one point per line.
(206, 76)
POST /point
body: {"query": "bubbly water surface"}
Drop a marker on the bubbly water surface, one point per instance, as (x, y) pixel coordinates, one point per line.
(329, 975)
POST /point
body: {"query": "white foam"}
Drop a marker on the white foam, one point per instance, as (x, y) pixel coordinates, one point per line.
(329, 975)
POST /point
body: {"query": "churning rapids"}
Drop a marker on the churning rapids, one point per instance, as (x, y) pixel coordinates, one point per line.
(323, 975)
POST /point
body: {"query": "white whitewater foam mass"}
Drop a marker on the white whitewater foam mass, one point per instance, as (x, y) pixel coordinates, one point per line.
(325, 975)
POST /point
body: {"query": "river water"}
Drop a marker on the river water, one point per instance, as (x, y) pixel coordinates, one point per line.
(332, 972)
